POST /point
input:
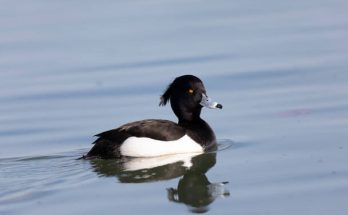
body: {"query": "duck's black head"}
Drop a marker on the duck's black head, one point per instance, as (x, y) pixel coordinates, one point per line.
(187, 96)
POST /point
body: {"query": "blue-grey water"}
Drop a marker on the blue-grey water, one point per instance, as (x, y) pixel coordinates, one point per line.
(71, 69)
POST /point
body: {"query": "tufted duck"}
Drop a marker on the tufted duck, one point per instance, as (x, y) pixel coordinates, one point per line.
(155, 137)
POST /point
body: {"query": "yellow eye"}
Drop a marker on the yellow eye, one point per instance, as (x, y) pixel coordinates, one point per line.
(190, 91)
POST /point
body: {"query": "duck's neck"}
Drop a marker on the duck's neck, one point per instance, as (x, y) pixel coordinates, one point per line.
(188, 117)
(185, 122)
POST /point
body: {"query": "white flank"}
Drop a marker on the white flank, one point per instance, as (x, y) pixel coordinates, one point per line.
(147, 147)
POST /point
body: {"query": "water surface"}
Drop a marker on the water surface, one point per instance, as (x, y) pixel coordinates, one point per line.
(69, 70)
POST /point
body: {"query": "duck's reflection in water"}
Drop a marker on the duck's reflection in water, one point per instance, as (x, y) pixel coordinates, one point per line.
(193, 189)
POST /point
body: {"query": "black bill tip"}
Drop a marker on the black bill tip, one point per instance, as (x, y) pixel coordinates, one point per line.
(219, 106)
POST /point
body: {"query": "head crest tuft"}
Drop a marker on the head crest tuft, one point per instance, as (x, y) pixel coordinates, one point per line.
(166, 95)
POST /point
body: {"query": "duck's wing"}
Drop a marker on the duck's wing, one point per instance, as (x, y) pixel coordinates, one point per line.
(152, 128)
(108, 142)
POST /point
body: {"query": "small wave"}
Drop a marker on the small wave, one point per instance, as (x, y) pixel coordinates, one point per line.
(224, 144)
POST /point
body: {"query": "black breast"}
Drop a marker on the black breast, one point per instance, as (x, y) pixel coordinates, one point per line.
(201, 132)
